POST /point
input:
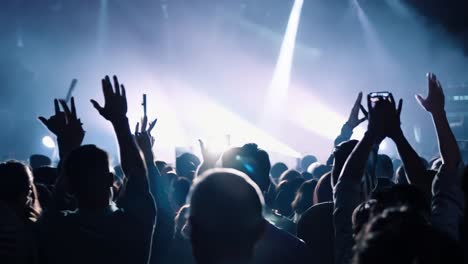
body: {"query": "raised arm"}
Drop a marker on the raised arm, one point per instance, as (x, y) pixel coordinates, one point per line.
(115, 111)
(209, 159)
(447, 197)
(348, 127)
(347, 191)
(68, 129)
(414, 167)
(66, 126)
(435, 105)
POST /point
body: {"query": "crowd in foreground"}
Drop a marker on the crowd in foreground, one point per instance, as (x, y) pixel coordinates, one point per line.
(360, 206)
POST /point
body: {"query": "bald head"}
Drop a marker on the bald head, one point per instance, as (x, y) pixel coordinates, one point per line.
(225, 212)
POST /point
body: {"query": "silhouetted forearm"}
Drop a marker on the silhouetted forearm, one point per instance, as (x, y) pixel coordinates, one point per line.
(356, 162)
(413, 164)
(447, 143)
(130, 158)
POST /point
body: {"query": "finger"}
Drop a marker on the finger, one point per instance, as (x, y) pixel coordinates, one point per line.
(369, 103)
(106, 88)
(43, 120)
(124, 94)
(363, 110)
(144, 123)
(116, 85)
(67, 111)
(400, 106)
(73, 108)
(202, 145)
(420, 100)
(56, 106)
(392, 100)
(152, 124)
(358, 100)
(432, 83)
(97, 106)
(137, 126)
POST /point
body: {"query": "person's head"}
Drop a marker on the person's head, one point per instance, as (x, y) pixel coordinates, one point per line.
(38, 160)
(307, 176)
(304, 197)
(252, 161)
(341, 154)
(276, 170)
(384, 167)
(16, 184)
(45, 175)
(88, 177)
(285, 194)
(323, 191)
(361, 215)
(289, 175)
(186, 165)
(401, 195)
(225, 216)
(180, 189)
(401, 235)
(160, 165)
(306, 161)
(318, 170)
(316, 228)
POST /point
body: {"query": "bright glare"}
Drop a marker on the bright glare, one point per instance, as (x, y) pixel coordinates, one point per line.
(279, 85)
(220, 127)
(48, 142)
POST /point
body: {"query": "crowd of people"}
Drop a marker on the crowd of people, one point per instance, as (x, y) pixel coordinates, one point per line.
(359, 206)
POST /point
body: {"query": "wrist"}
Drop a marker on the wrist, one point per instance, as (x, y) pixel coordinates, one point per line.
(438, 113)
(121, 120)
(372, 136)
(397, 136)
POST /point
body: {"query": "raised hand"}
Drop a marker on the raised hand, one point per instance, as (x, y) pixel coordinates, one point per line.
(393, 124)
(209, 158)
(435, 100)
(65, 125)
(115, 101)
(354, 120)
(144, 138)
(377, 112)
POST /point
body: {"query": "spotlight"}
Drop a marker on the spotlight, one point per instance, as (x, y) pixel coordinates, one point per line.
(48, 142)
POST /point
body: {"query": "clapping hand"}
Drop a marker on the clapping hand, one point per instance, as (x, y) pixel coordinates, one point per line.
(384, 117)
(435, 100)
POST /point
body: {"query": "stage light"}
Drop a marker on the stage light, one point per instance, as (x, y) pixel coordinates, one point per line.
(279, 85)
(220, 127)
(48, 142)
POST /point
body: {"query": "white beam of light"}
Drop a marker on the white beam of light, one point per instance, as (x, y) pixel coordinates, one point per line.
(102, 26)
(214, 123)
(279, 85)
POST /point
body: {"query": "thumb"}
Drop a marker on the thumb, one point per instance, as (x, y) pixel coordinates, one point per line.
(97, 106)
(420, 100)
(43, 120)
